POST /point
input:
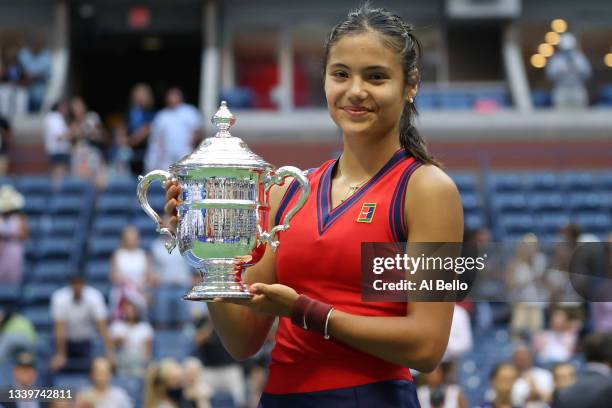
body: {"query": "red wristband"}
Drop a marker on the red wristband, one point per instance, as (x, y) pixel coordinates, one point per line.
(298, 313)
(316, 316)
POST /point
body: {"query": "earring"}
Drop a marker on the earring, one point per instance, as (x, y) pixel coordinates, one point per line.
(411, 99)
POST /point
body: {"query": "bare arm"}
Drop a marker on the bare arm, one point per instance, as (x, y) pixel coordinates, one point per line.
(418, 340)
(60, 337)
(106, 339)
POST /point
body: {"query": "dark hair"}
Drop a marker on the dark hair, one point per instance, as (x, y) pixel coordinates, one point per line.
(497, 368)
(398, 37)
(598, 347)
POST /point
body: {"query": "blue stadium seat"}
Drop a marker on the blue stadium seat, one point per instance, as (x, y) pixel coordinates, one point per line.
(35, 205)
(97, 271)
(239, 98)
(505, 182)
(551, 222)
(40, 316)
(542, 181)
(426, 101)
(145, 225)
(516, 223)
(33, 185)
(133, 386)
(508, 202)
(102, 247)
(474, 220)
(604, 181)
(63, 226)
(222, 399)
(115, 204)
(39, 293)
(52, 271)
(57, 248)
(546, 202)
(590, 201)
(541, 98)
(106, 225)
(594, 222)
(10, 294)
(74, 186)
(67, 205)
(75, 382)
(170, 343)
(578, 181)
(456, 100)
(466, 182)
(32, 253)
(125, 186)
(470, 202)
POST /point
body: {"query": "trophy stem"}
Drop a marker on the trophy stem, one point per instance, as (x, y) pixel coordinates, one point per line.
(219, 280)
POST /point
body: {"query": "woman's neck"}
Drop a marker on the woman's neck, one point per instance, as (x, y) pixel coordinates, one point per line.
(363, 157)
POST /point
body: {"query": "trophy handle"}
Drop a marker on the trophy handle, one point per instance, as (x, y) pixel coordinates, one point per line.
(278, 177)
(143, 187)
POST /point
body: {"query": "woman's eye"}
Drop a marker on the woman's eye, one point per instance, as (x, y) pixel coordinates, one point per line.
(340, 74)
(377, 77)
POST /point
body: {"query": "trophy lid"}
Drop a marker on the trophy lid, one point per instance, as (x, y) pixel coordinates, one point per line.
(223, 149)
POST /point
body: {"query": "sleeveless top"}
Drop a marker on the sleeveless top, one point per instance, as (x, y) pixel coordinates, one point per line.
(319, 256)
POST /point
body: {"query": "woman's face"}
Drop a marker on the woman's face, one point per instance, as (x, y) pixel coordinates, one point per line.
(364, 85)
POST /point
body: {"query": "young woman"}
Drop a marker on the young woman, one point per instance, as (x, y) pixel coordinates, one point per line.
(353, 353)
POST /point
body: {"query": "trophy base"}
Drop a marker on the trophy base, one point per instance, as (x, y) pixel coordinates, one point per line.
(208, 292)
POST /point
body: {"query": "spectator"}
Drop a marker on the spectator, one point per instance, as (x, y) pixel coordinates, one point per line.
(557, 344)
(13, 233)
(133, 340)
(77, 311)
(502, 380)
(564, 375)
(221, 371)
(170, 269)
(164, 386)
(102, 394)
(25, 377)
(174, 132)
(89, 143)
(140, 117)
(593, 388)
(196, 390)
(131, 273)
(36, 63)
(57, 141)
(525, 275)
(12, 70)
(438, 392)
(460, 340)
(5, 141)
(568, 69)
(534, 387)
(601, 316)
(16, 334)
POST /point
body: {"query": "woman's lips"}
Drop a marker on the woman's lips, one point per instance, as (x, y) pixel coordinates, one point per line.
(355, 111)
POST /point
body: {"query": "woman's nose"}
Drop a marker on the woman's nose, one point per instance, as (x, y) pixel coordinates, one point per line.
(357, 89)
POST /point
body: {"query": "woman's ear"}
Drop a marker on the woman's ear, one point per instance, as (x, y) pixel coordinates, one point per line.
(411, 93)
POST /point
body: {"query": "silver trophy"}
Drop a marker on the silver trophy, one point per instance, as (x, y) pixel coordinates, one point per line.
(223, 209)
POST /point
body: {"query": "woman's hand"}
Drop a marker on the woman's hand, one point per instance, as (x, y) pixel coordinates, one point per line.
(172, 195)
(275, 299)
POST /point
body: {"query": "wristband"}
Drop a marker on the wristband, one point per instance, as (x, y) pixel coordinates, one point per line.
(298, 313)
(310, 314)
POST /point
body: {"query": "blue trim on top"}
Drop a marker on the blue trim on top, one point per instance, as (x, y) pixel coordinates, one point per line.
(293, 188)
(326, 216)
(396, 212)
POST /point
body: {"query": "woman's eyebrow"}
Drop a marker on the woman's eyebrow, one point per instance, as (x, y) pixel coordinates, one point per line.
(368, 68)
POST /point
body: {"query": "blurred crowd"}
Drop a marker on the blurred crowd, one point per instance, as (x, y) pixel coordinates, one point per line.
(78, 143)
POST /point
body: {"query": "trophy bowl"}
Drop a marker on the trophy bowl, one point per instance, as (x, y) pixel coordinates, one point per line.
(223, 209)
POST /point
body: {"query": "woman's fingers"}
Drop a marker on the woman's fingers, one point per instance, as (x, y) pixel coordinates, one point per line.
(170, 207)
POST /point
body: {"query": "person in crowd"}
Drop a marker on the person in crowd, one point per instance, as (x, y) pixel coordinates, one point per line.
(568, 70)
(534, 387)
(139, 119)
(89, 142)
(78, 310)
(13, 234)
(131, 274)
(16, 334)
(5, 142)
(564, 375)
(170, 269)
(25, 376)
(525, 287)
(437, 391)
(12, 70)
(57, 141)
(593, 387)
(601, 316)
(502, 379)
(221, 371)
(460, 339)
(36, 63)
(174, 132)
(164, 385)
(558, 343)
(195, 388)
(133, 341)
(102, 394)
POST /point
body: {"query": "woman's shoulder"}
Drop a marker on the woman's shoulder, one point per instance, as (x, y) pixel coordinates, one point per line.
(430, 180)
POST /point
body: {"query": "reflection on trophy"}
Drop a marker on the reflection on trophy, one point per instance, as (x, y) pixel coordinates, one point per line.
(223, 209)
